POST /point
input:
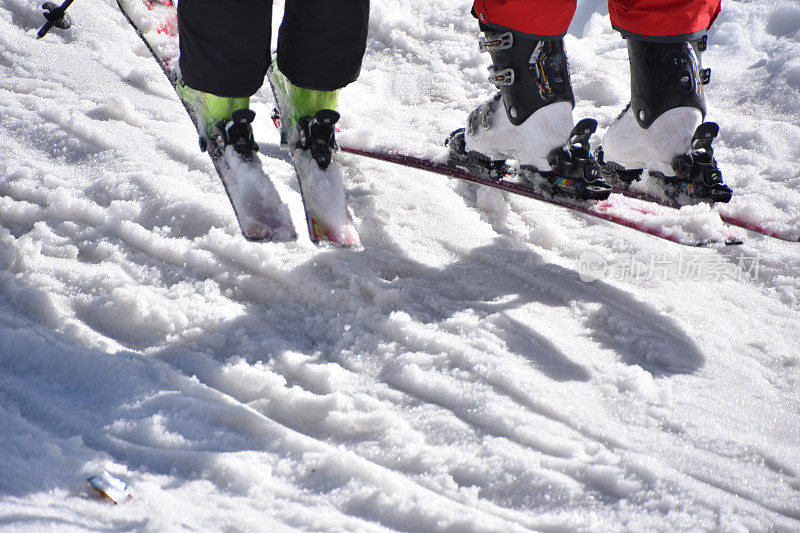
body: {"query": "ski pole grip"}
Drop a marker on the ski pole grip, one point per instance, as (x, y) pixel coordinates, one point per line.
(56, 17)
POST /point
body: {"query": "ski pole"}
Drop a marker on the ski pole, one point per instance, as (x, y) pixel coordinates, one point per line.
(55, 16)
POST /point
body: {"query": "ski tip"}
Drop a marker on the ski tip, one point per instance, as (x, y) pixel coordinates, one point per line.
(344, 237)
(348, 241)
(351, 245)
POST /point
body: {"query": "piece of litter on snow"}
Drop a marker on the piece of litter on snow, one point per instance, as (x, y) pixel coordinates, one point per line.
(112, 488)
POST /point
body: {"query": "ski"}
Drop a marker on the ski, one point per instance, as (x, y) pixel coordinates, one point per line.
(312, 145)
(329, 220)
(261, 214)
(777, 233)
(616, 208)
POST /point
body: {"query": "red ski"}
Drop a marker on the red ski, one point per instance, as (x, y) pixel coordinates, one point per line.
(764, 229)
(616, 208)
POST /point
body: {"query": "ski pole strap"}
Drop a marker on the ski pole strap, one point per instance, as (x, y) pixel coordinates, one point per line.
(56, 17)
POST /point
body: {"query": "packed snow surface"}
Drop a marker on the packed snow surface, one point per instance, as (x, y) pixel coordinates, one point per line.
(463, 372)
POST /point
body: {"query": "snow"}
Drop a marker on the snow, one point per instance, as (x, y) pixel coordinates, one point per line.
(261, 211)
(453, 375)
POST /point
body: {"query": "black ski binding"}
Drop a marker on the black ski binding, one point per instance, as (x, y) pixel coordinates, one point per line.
(614, 173)
(318, 135)
(574, 172)
(56, 17)
(474, 161)
(238, 133)
(696, 171)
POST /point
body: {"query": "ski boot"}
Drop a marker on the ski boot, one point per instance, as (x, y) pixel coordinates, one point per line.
(221, 121)
(307, 118)
(662, 129)
(529, 121)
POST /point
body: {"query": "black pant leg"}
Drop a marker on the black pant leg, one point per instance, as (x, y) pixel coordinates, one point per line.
(321, 43)
(224, 45)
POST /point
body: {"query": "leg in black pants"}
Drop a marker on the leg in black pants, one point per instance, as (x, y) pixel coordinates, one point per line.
(224, 44)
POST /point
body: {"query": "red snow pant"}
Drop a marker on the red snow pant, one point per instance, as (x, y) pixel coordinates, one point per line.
(649, 20)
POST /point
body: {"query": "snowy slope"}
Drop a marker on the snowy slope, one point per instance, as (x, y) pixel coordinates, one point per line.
(455, 375)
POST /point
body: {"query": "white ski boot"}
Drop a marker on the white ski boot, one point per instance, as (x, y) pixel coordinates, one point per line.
(491, 133)
(530, 121)
(662, 129)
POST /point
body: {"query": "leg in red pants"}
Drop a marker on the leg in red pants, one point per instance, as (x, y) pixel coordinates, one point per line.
(539, 19)
(652, 20)
(666, 22)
